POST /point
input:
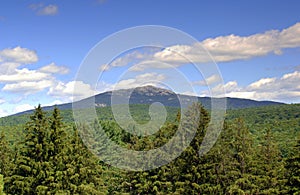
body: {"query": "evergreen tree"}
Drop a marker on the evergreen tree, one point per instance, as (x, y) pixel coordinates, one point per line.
(181, 176)
(32, 172)
(187, 167)
(5, 156)
(293, 170)
(58, 144)
(83, 172)
(215, 166)
(242, 161)
(271, 167)
(51, 163)
(1, 185)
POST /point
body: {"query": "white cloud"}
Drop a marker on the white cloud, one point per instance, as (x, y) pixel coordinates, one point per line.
(102, 86)
(139, 80)
(27, 87)
(42, 9)
(154, 64)
(2, 101)
(48, 10)
(22, 108)
(233, 47)
(55, 102)
(24, 81)
(18, 55)
(8, 68)
(131, 58)
(73, 90)
(190, 93)
(24, 74)
(53, 68)
(222, 48)
(182, 54)
(289, 38)
(3, 113)
(209, 81)
(285, 88)
(261, 82)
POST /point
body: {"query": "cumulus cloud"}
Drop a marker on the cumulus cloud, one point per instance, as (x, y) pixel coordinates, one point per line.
(42, 9)
(154, 64)
(139, 80)
(55, 102)
(222, 49)
(18, 55)
(8, 67)
(285, 88)
(53, 68)
(73, 90)
(262, 83)
(289, 38)
(24, 75)
(130, 58)
(209, 81)
(27, 87)
(234, 47)
(24, 81)
(22, 108)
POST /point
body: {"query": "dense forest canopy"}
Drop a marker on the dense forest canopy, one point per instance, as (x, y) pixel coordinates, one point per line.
(257, 152)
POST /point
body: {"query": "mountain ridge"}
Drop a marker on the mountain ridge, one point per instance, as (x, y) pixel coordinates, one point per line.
(149, 94)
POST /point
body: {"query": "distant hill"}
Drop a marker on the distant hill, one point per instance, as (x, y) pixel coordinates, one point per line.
(150, 94)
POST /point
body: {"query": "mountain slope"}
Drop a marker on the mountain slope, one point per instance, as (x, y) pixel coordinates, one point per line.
(149, 94)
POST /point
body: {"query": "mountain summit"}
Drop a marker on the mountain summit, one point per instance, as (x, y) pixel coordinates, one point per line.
(150, 90)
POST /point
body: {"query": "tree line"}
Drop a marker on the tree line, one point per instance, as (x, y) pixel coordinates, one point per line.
(52, 159)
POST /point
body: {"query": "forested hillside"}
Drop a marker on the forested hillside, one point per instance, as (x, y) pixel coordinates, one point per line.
(258, 152)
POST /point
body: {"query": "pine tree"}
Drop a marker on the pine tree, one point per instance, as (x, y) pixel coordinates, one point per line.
(271, 167)
(83, 172)
(187, 167)
(242, 153)
(32, 172)
(182, 175)
(5, 156)
(57, 151)
(293, 170)
(1, 185)
(51, 163)
(225, 163)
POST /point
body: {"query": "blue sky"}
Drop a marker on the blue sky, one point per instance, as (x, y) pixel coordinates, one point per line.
(256, 45)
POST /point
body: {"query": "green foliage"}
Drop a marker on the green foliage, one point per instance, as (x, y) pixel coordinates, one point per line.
(256, 153)
(293, 169)
(1, 185)
(271, 165)
(5, 156)
(32, 172)
(285, 120)
(49, 162)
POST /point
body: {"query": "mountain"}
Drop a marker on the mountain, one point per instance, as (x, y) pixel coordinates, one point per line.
(150, 94)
